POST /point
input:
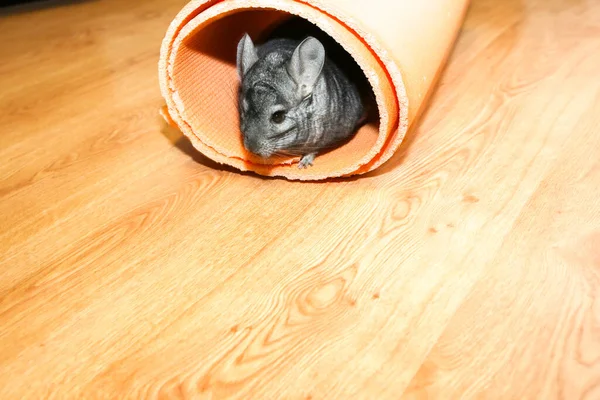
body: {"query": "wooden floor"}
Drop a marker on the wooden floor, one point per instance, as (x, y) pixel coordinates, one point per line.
(467, 267)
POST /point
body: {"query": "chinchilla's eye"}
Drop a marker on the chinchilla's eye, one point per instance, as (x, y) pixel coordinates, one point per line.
(278, 117)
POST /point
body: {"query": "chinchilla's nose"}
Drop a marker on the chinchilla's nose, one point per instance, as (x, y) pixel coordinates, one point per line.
(257, 147)
(251, 144)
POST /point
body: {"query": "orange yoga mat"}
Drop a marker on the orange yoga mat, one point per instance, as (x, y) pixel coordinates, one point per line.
(401, 46)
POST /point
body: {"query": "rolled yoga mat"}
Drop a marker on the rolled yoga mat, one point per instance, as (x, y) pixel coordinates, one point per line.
(400, 45)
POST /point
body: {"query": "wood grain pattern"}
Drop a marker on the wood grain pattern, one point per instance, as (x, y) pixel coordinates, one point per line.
(466, 267)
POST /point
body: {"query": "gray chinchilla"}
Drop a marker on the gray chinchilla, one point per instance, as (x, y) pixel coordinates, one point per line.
(293, 99)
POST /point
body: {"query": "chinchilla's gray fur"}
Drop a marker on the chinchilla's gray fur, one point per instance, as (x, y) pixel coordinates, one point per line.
(293, 100)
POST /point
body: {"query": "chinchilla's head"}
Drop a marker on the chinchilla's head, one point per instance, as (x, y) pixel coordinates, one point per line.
(276, 94)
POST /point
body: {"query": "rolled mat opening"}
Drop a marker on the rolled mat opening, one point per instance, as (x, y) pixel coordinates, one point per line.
(399, 46)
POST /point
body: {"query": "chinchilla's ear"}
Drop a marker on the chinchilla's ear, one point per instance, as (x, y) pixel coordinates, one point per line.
(306, 64)
(246, 55)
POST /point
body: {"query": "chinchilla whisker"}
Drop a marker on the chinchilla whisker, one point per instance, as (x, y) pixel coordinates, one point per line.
(289, 152)
(285, 154)
(314, 148)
